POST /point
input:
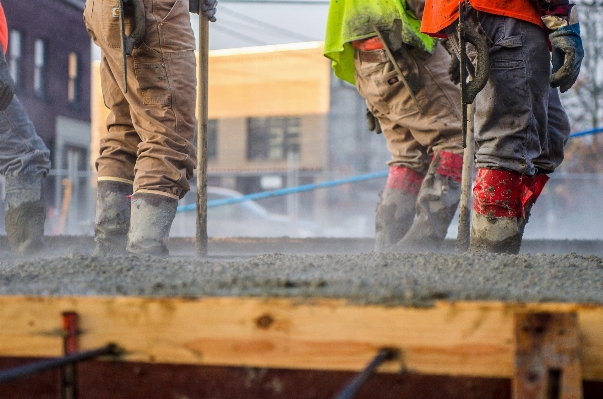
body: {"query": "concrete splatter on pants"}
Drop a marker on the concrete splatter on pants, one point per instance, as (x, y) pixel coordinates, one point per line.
(151, 127)
(520, 124)
(22, 151)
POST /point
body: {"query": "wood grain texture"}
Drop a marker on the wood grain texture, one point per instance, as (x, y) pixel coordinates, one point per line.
(462, 338)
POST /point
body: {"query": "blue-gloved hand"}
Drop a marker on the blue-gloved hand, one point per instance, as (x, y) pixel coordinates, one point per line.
(7, 84)
(567, 56)
(209, 8)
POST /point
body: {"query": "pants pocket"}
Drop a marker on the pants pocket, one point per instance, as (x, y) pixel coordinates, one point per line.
(111, 24)
(153, 83)
(175, 32)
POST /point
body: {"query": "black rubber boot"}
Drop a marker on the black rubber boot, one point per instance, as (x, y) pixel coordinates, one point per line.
(25, 213)
(152, 217)
(394, 216)
(112, 217)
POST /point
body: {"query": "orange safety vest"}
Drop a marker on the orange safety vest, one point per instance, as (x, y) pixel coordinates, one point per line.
(439, 14)
(3, 29)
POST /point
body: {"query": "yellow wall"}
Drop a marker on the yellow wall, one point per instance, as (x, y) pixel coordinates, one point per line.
(280, 80)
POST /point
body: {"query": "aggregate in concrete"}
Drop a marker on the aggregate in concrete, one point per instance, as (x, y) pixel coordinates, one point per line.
(363, 278)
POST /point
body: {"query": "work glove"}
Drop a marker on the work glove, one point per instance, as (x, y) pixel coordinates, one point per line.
(567, 52)
(7, 84)
(209, 8)
(372, 122)
(454, 68)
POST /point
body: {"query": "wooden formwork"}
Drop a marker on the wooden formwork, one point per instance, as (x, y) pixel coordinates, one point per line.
(528, 343)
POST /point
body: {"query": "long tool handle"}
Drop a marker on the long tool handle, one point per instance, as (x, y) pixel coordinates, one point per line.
(391, 57)
(464, 230)
(202, 116)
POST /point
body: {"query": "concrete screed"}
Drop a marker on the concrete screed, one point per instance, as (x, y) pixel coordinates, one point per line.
(363, 278)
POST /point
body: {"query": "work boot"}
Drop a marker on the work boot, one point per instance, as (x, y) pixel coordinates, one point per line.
(112, 217)
(496, 222)
(437, 202)
(25, 213)
(396, 209)
(152, 216)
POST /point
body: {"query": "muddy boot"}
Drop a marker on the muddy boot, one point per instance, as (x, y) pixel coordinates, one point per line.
(25, 213)
(437, 202)
(152, 216)
(496, 222)
(112, 217)
(396, 209)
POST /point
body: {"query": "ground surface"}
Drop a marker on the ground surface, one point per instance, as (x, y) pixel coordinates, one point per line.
(361, 277)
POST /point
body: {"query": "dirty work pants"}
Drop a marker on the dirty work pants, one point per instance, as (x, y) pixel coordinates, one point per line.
(412, 137)
(520, 124)
(151, 127)
(22, 151)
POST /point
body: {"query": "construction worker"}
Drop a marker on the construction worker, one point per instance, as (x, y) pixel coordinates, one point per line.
(520, 125)
(148, 156)
(24, 162)
(421, 123)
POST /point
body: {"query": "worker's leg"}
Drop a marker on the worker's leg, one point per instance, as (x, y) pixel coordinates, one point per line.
(161, 98)
(24, 161)
(511, 128)
(431, 142)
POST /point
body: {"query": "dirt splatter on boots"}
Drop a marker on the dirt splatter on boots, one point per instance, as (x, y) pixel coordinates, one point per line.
(25, 213)
(396, 209)
(437, 202)
(112, 217)
(502, 201)
(152, 217)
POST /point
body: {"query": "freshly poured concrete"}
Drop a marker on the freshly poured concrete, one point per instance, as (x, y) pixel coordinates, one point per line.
(372, 278)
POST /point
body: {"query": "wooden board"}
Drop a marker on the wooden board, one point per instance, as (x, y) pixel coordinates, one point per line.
(462, 338)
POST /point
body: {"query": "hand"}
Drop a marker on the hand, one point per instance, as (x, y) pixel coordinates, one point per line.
(567, 56)
(7, 84)
(209, 8)
(372, 122)
(454, 68)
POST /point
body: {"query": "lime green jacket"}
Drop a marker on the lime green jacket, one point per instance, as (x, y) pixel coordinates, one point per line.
(354, 19)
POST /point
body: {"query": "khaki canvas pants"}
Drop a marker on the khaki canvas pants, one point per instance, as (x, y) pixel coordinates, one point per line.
(412, 137)
(151, 127)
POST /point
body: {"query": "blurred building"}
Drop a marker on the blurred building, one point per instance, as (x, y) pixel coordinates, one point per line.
(278, 118)
(49, 56)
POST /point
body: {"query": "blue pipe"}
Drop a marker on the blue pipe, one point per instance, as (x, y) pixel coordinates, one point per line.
(288, 190)
(331, 183)
(587, 132)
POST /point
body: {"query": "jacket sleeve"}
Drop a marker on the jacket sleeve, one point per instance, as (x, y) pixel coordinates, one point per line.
(560, 8)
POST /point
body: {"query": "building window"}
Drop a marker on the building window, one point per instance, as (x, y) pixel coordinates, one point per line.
(40, 67)
(272, 138)
(73, 85)
(15, 54)
(212, 139)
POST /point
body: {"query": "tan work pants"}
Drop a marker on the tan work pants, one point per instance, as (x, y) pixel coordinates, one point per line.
(151, 127)
(412, 137)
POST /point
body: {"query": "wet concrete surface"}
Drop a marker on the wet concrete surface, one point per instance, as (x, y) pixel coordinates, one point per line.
(349, 271)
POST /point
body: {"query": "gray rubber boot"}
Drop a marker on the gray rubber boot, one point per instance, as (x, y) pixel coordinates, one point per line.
(112, 217)
(437, 202)
(25, 213)
(152, 217)
(495, 235)
(394, 216)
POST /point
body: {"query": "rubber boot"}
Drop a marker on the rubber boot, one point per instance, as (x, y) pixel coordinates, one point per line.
(396, 209)
(437, 202)
(25, 213)
(152, 216)
(496, 221)
(112, 217)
